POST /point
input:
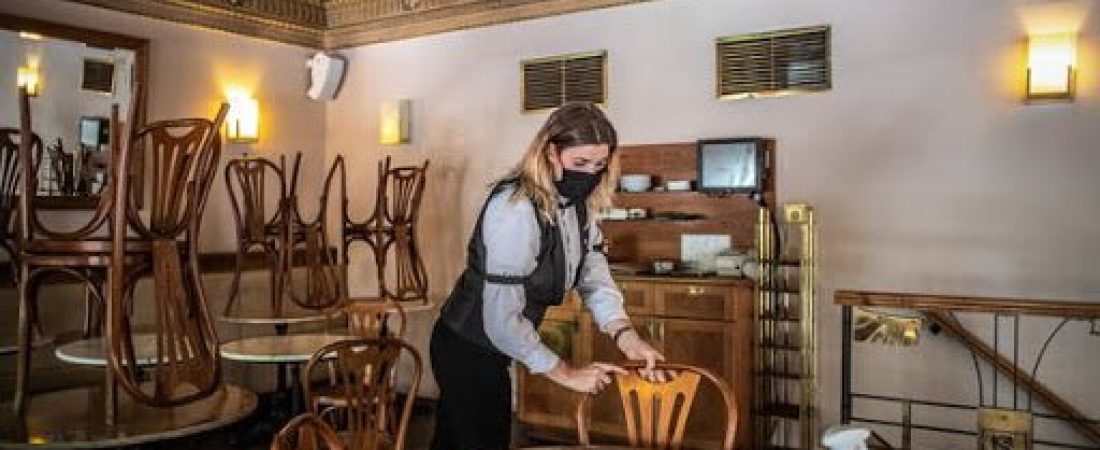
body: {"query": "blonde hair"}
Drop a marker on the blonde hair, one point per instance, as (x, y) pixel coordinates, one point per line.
(572, 124)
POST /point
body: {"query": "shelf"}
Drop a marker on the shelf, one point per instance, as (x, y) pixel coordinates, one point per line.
(784, 410)
(781, 375)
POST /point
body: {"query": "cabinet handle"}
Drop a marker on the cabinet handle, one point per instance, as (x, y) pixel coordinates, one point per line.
(661, 331)
(696, 290)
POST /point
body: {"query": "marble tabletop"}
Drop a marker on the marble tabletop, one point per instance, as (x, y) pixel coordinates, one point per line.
(290, 348)
(73, 418)
(91, 352)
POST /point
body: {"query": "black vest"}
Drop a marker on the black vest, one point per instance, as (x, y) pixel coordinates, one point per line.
(543, 288)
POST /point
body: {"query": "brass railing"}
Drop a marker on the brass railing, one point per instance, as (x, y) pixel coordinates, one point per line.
(997, 424)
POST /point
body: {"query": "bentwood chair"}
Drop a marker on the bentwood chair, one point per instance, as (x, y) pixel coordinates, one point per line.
(390, 231)
(657, 413)
(259, 220)
(364, 371)
(307, 432)
(184, 155)
(80, 252)
(9, 191)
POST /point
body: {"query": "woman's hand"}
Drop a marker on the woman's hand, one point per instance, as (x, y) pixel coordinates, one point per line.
(637, 349)
(590, 379)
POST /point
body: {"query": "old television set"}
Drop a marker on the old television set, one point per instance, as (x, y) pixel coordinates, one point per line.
(94, 132)
(731, 165)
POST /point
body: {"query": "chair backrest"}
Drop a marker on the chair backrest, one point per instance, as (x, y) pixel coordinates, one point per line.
(247, 180)
(307, 432)
(657, 413)
(10, 175)
(30, 149)
(185, 154)
(400, 192)
(364, 372)
(369, 318)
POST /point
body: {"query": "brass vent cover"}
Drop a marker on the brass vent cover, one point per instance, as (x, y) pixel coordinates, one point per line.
(551, 81)
(774, 63)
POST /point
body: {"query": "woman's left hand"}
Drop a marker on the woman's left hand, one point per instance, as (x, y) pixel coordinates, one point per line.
(637, 349)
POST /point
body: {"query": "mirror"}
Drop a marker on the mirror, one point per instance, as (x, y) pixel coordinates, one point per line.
(79, 73)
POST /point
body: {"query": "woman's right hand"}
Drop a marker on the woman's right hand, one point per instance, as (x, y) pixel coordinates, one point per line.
(590, 379)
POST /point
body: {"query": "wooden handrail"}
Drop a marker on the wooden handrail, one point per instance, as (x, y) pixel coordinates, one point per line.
(953, 303)
(991, 356)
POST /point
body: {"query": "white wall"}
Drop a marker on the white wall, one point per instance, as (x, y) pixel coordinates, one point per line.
(927, 171)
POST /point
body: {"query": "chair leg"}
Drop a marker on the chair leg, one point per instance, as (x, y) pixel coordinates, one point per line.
(235, 285)
(23, 355)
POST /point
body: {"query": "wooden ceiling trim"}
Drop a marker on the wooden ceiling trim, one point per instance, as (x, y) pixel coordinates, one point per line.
(334, 24)
(193, 13)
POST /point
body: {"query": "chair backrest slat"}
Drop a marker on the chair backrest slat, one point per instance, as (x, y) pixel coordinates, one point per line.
(657, 413)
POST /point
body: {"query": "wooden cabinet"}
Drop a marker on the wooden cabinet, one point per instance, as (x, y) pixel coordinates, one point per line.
(566, 331)
(704, 322)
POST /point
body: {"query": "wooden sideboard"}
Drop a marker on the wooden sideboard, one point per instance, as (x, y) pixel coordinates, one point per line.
(707, 322)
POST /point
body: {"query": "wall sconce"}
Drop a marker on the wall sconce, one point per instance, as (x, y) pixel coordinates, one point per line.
(242, 123)
(28, 77)
(393, 125)
(1050, 67)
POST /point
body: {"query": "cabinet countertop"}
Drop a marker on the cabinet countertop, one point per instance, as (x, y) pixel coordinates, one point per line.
(716, 280)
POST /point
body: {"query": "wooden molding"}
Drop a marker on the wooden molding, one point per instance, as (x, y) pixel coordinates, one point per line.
(466, 15)
(927, 302)
(194, 12)
(334, 24)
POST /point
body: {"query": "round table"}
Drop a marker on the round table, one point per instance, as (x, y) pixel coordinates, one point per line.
(253, 314)
(73, 418)
(90, 352)
(284, 350)
(278, 349)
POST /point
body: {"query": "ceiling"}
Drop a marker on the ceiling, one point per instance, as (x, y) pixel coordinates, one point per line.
(333, 24)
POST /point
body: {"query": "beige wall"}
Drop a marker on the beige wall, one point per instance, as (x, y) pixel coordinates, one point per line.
(927, 171)
(190, 68)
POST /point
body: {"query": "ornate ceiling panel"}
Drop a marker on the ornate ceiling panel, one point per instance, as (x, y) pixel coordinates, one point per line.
(344, 23)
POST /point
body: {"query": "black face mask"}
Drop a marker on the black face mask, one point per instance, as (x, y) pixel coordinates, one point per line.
(576, 185)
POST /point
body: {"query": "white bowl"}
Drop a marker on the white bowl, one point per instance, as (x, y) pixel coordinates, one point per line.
(678, 186)
(635, 182)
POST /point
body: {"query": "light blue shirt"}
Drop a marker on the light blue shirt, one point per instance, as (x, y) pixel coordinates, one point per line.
(511, 234)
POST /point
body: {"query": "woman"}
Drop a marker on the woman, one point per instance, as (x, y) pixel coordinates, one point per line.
(534, 241)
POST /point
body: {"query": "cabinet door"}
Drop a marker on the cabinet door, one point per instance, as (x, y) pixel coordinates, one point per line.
(541, 401)
(638, 297)
(713, 346)
(606, 416)
(696, 301)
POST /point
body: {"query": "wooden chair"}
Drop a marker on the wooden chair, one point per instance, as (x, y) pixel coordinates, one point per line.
(307, 432)
(80, 252)
(278, 231)
(391, 230)
(651, 408)
(364, 370)
(258, 222)
(369, 318)
(9, 190)
(184, 155)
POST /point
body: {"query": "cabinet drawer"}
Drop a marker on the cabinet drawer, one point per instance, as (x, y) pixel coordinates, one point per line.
(638, 297)
(696, 301)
